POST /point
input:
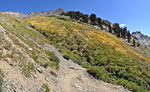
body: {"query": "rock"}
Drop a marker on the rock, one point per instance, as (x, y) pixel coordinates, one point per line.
(141, 38)
(46, 79)
(113, 79)
(54, 79)
(16, 14)
(71, 67)
(46, 13)
(41, 90)
(34, 75)
(39, 70)
(30, 49)
(78, 87)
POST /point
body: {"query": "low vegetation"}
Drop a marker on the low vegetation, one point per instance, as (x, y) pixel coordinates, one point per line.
(45, 86)
(53, 61)
(53, 73)
(25, 45)
(1, 80)
(104, 56)
(27, 69)
(66, 57)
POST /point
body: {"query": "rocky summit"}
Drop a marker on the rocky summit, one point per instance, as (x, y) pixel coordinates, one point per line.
(141, 38)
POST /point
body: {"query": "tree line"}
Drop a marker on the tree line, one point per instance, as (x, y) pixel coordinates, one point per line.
(94, 20)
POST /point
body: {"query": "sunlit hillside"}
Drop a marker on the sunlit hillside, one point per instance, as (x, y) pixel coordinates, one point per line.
(104, 55)
(27, 42)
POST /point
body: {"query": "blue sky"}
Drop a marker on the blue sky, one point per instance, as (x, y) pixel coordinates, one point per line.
(135, 14)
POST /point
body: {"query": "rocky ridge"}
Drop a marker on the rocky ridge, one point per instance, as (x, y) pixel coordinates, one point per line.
(141, 38)
(41, 13)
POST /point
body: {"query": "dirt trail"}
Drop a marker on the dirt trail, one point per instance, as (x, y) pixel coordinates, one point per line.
(74, 78)
(71, 77)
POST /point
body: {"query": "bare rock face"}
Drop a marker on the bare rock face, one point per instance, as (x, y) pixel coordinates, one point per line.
(46, 13)
(16, 14)
(141, 38)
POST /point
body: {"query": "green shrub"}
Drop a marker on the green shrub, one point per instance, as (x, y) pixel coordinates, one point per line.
(27, 68)
(1, 80)
(53, 60)
(66, 57)
(54, 64)
(1, 55)
(53, 73)
(45, 86)
(51, 64)
(45, 65)
(97, 72)
(85, 65)
(52, 57)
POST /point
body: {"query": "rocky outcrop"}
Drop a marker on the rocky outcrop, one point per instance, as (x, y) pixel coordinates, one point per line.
(141, 38)
(46, 13)
(16, 14)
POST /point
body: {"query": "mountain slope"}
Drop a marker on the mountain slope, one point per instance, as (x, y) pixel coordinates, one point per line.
(31, 64)
(104, 55)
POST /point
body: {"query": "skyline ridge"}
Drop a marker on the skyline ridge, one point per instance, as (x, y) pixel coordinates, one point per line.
(121, 25)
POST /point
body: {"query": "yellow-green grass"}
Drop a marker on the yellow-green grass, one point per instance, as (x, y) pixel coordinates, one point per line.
(62, 29)
(104, 55)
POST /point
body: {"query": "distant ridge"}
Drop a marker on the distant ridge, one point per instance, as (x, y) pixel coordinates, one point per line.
(41, 13)
(141, 38)
(46, 13)
(138, 36)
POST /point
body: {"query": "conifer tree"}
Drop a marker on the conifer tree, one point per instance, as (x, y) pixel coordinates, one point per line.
(110, 28)
(93, 19)
(85, 18)
(128, 36)
(133, 42)
(116, 29)
(124, 32)
(138, 44)
(118, 33)
(99, 21)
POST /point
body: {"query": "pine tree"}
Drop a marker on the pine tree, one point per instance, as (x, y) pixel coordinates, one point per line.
(133, 42)
(93, 19)
(85, 18)
(138, 44)
(118, 33)
(77, 15)
(63, 13)
(110, 28)
(128, 36)
(99, 21)
(70, 13)
(124, 32)
(116, 29)
(121, 32)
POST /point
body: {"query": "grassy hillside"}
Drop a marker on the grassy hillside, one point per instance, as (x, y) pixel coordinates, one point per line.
(104, 56)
